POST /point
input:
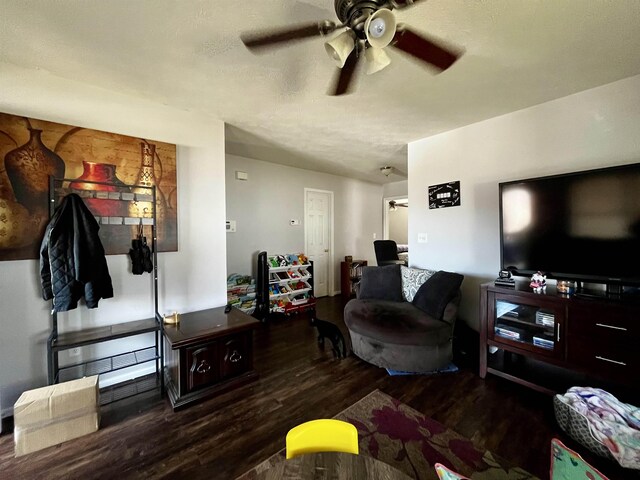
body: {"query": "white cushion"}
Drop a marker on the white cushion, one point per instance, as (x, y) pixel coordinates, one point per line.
(412, 280)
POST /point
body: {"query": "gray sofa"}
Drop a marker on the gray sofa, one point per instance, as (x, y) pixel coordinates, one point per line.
(403, 318)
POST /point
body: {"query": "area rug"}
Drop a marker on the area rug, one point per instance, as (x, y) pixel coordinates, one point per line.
(398, 435)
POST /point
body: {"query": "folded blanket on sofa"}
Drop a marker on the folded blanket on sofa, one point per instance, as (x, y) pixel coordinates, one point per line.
(615, 424)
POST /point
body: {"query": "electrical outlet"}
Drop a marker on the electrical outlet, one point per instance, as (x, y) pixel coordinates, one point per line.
(74, 352)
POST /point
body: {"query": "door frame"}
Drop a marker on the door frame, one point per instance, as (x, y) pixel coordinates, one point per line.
(385, 214)
(330, 268)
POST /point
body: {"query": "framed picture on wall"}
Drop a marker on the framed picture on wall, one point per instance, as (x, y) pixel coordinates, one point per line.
(32, 150)
(444, 195)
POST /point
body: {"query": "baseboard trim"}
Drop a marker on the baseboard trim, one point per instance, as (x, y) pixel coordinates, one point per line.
(125, 375)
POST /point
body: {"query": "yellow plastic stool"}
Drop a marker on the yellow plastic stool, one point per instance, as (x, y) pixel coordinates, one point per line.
(322, 436)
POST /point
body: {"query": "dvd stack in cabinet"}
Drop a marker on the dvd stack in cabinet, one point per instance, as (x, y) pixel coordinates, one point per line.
(546, 343)
(511, 332)
(545, 319)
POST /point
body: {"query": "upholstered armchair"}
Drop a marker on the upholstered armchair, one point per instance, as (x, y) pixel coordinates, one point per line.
(403, 318)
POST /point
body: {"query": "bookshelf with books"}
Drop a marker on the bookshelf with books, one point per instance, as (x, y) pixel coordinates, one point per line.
(350, 275)
(241, 292)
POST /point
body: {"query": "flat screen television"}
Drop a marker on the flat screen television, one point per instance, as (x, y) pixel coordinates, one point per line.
(579, 226)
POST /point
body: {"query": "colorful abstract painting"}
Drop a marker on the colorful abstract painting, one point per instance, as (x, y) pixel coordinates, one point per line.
(33, 150)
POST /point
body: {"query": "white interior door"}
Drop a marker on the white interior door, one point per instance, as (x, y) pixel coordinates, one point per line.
(318, 238)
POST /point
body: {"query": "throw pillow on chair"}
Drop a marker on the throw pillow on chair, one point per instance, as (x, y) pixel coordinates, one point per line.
(381, 283)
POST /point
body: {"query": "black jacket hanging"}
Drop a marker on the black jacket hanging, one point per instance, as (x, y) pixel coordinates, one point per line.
(72, 258)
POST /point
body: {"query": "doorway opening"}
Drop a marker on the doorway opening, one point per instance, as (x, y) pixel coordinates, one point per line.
(395, 218)
(395, 214)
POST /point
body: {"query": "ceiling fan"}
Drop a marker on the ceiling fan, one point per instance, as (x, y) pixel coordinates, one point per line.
(369, 26)
(393, 205)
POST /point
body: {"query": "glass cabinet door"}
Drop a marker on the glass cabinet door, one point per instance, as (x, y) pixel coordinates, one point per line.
(532, 327)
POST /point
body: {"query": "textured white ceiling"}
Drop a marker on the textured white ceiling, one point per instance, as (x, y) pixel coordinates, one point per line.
(187, 54)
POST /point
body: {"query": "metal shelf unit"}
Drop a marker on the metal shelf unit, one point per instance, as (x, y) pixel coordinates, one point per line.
(107, 364)
(58, 342)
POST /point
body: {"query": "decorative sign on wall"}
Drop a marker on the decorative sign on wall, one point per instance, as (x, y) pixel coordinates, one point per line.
(32, 150)
(444, 195)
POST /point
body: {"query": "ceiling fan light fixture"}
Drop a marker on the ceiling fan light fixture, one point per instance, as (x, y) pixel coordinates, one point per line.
(380, 28)
(386, 171)
(362, 25)
(377, 27)
(340, 47)
(377, 59)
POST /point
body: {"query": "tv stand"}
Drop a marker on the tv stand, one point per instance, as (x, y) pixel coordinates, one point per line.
(592, 294)
(614, 292)
(550, 341)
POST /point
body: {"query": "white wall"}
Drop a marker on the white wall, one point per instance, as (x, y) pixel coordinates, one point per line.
(395, 189)
(595, 128)
(274, 195)
(398, 225)
(192, 278)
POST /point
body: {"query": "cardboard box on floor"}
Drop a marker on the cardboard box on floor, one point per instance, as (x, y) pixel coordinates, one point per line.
(51, 415)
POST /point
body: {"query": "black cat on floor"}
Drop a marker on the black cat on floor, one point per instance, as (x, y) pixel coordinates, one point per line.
(333, 333)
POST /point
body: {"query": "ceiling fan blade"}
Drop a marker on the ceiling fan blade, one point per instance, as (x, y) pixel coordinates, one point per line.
(271, 38)
(400, 4)
(425, 49)
(344, 80)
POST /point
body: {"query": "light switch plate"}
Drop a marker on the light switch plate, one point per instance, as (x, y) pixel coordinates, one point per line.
(422, 238)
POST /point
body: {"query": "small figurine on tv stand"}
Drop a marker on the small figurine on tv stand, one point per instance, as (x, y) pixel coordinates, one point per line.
(538, 282)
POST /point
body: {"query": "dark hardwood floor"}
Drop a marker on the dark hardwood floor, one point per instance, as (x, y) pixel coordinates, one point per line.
(225, 436)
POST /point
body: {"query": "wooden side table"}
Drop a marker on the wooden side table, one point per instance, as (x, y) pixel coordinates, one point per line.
(207, 353)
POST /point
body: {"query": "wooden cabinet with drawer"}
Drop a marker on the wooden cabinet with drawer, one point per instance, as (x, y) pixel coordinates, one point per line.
(201, 362)
(549, 341)
(597, 318)
(613, 361)
(603, 338)
(208, 352)
(234, 355)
